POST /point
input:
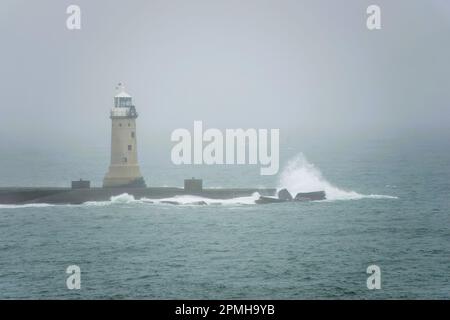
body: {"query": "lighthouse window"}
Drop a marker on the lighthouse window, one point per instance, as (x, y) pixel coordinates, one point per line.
(129, 147)
(129, 124)
(132, 134)
(125, 160)
(120, 124)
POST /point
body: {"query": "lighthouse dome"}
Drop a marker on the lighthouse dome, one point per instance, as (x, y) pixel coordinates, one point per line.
(122, 94)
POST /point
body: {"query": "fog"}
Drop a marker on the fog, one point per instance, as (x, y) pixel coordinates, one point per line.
(310, 68)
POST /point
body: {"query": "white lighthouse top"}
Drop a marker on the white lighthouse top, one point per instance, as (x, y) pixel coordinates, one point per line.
(123, 104)
(121, 91)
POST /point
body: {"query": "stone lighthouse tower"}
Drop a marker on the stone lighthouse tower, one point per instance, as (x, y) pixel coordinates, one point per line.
(124, 169)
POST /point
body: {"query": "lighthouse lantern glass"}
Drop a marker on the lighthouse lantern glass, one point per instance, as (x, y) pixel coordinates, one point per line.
(122, 102)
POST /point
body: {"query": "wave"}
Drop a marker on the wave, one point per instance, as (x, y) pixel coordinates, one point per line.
(177, 200)
(125, 198)
(300, 175)
(29, 205)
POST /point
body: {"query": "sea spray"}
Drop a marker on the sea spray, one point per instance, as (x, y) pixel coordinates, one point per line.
(123, 198)
(300, 175)
(28, 205)
(195, 200)
(182, 200)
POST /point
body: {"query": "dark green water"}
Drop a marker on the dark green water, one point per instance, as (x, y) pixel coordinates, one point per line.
(389, 206)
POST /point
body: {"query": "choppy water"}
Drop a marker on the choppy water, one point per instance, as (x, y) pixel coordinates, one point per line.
(387, 206)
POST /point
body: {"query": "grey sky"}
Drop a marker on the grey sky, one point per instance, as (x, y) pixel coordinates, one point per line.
(306, 67)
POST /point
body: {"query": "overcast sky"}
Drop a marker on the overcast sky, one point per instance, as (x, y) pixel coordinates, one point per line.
(306, 67)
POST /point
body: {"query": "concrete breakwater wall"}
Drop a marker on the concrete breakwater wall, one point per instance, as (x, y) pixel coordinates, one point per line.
(79, 196)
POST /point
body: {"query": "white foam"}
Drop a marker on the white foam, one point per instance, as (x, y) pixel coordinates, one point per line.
(195, 200)
(302, 176)
(30, 205)
(123, 198)
(182, 200)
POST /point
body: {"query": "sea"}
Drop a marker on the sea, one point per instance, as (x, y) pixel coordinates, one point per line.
(387, 205)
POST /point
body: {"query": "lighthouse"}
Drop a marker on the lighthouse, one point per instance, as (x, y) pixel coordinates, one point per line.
(124, 169)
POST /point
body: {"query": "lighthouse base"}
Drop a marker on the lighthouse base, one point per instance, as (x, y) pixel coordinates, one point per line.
(124, 176)
(124, 183)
